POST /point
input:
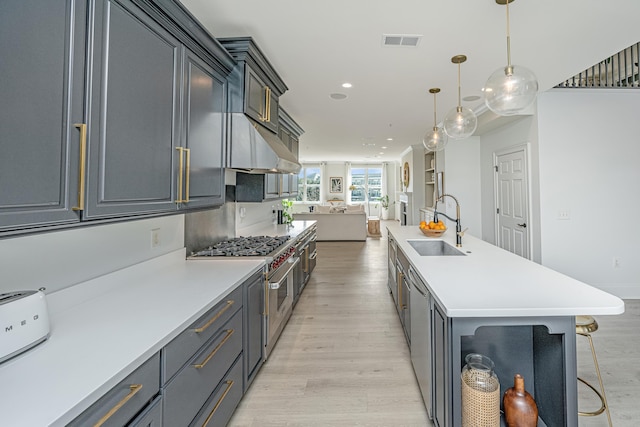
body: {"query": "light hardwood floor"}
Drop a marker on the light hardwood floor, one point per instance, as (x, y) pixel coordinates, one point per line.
(342, 360)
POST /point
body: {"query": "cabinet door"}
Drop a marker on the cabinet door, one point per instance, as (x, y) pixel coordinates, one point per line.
(255, 92)
(254, 344)
(134, 107)
(440, 387)
(295, 146)
(42, 98)
(272, 115)
(203, 133)
(272, 186)
(257, 106)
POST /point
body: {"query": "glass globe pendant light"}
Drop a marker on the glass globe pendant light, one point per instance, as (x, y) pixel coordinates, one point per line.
(435, 139)
(510, 89)
(461, 122)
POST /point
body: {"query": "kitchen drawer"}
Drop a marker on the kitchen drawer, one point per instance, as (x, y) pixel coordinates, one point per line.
(151, 417)
(132, 393)
(183, 347)
(221, 404)
(185, 394)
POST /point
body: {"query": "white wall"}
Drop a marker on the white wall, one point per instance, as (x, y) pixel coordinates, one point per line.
(589, 153)
(523, 131)
(462, 180)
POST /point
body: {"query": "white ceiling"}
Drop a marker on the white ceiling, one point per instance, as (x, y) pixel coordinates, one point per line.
(316, 46)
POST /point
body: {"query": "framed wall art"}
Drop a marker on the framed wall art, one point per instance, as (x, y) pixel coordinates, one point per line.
(335, 184)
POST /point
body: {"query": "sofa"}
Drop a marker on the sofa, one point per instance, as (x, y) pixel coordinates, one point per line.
(338, 222)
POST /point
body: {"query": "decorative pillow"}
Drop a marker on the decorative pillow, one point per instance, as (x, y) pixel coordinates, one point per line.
(323, 209)
(338, 209)
(355, 207)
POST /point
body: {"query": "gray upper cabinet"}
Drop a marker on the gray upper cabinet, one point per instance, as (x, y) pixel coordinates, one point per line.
(203, 134)
(257, 86)
(134, 119)
(118, 111)
(42, 99)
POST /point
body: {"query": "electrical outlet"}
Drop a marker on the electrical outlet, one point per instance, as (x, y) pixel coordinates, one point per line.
(564, 215)
(155, 238)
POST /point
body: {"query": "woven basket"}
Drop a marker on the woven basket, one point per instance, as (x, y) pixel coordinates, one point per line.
(432, 233)
(480, 408)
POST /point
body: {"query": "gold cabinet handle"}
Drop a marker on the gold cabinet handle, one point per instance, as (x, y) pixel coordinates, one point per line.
(133, 389)
(215, 408)
(268, 104)
(214, 318)
(266, 295)
(265, 104)
(187, 174)
(180, 174)
(83, 165)
(400, 279)
(215, 350)
(306, 259)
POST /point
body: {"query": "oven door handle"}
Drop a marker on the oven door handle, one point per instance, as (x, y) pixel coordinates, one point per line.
(281, 277)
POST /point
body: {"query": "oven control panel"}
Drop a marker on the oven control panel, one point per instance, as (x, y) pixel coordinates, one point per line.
(281, 258)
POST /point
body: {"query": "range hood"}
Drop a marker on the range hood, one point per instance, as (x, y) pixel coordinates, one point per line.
(256, 150)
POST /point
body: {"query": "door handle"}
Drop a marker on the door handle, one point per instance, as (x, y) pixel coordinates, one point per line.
(523, 225)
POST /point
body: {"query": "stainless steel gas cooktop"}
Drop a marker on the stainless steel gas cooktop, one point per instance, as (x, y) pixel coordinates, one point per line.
(244, 246)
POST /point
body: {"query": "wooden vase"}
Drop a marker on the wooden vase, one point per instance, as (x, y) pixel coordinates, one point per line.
(520, 410)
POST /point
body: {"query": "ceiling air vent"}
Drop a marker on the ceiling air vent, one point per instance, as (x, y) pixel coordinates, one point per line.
(407, 40)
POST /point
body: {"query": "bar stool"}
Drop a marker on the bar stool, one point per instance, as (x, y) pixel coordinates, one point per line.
(585, 326)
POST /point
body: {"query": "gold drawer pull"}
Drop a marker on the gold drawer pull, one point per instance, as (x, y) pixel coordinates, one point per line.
(134, 388)
(187, 174)
(214, 318)
(215, 408)
(180, 174)
(215, 350)
(83, 165)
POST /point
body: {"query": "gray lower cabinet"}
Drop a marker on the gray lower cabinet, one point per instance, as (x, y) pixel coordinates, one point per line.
(42, 99)
(198, 360)
(219, 408)
(186, 393)
(129, 398)
(150, 417)
(254, 304)
(441, 386)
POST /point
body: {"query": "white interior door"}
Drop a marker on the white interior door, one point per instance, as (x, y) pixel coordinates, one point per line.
(512, 200)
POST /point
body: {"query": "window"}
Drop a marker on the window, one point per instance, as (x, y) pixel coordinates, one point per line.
(366, 180)
(309, 179)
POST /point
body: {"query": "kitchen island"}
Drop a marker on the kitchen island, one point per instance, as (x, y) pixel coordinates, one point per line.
(519, 313)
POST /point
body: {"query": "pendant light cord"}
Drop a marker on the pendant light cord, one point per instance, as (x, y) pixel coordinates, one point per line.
(459, 96)
(435, 122)
(509, 67)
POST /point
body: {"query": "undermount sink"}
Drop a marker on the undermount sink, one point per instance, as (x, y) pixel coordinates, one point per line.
(434, 248)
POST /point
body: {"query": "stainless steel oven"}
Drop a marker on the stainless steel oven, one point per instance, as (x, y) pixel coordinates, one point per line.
(281, 260)
(279, 298)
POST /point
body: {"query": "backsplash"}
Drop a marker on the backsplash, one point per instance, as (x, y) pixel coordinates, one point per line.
(59, 259)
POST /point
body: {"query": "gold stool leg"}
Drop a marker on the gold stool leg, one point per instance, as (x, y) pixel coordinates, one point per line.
(603, 397)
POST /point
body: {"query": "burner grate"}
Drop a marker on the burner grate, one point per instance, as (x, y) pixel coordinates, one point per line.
(244, 246)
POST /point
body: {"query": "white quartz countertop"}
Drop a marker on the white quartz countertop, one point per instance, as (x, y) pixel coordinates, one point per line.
(492, 282)
(103, 329)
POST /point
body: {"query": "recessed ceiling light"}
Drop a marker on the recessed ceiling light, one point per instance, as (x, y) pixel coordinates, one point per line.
(384, 148)
(338, 96)
(471, 98)
(382, 152)
(347, 85)
(389, 139)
